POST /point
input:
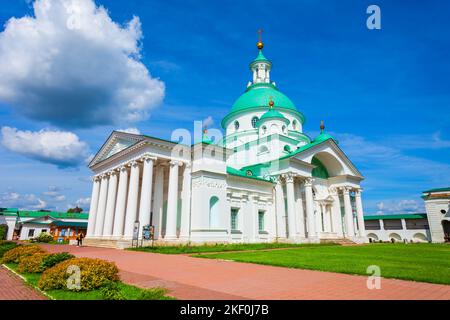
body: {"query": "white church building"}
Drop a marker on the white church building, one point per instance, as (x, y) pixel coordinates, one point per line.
(264, 181)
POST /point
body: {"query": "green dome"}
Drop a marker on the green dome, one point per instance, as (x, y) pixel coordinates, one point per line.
(260, 57)
(258, 95)
(272, 114)
(324, 136)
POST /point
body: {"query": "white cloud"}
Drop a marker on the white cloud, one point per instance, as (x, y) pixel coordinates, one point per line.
(61, 148)
(13, 199)
(208, 122)
(71, 65)
(400, 206)
(130, 130)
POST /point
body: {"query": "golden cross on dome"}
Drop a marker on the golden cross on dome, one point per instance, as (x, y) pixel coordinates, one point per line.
(322, 126)
(271, 103)
(260, 44)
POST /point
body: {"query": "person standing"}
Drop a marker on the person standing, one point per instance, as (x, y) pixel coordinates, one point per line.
(80, 237)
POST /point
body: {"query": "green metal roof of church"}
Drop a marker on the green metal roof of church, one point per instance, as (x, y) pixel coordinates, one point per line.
(36, 214)
(396, 216)
(437, 190)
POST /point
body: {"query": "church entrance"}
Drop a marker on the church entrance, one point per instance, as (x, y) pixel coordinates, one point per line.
(446, 227)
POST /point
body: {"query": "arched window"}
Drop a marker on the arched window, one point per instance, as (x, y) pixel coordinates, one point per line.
(236, 125)
(284, 129)
(294, 124)
(213, 212)
(264, 129)
(254, 121)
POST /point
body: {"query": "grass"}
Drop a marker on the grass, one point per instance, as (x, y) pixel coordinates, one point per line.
(418, 262)
(128, 291)
(187, 249)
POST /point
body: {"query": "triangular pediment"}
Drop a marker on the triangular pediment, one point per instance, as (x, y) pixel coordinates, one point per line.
(331, 149)
(117, 142)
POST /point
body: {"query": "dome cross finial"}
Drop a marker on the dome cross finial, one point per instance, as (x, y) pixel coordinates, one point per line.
(271, 103)
(322, 126)
(260, 44)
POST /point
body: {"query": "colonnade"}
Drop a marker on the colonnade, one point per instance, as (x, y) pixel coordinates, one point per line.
(310, 218)
(124, 195)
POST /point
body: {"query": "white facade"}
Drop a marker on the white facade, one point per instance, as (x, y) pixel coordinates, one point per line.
(437, 205)
(265, 181)
(401, 228)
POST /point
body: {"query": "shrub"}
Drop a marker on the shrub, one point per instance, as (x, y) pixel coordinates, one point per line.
(6, 246)
(44, 237)
(16, 254)
(153, 294)
(94, 274)
(111, 291)
(53, 259)
(3, 231)
(32, 264)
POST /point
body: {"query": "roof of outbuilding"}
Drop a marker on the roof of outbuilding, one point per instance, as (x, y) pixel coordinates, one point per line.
(396, 216)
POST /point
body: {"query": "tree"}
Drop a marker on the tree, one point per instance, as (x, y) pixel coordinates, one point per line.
(75, 210)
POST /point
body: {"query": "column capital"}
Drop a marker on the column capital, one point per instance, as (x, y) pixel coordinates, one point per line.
(132, 164)
(96, 178)
(122, 168)
(346, 189)
(289, 177)
(148, 158)
(333, 191)
(176, 163)
(111, 173)
(104, 176)
(358, 191)
(308, 182)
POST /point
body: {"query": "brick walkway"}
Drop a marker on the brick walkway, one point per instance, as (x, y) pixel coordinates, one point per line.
(196, 278)
(13, 287)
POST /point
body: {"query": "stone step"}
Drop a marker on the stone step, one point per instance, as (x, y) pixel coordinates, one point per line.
(342, 241)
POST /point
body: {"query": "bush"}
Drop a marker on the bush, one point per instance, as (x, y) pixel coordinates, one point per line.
(153, 294)
(3, 231)
(111, 291)
(44, 237)
(32, 264)
(94, 274)
(53, 259)
(16, 254)
(6, 246)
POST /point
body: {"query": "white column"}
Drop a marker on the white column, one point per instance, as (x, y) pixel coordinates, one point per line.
(119, 216)
(158, 196)
(93, 207)
(280, 209)
(172, 202)
(326, 219)
(336, 212)
(318, 217)
(290, 193)
(110, 205)
(132, 202)
(146, 191)
(186, 204)
(300, 212)
(98, 231)
(348, 213)
(360, 214)
(310, 209)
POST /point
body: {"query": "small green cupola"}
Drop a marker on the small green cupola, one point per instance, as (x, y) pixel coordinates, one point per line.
(205, 138)
(323, 135)
(272, 114)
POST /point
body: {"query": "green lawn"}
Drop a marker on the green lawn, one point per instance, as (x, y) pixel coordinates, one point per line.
(222, 247)
(419, 262)
(128, 291)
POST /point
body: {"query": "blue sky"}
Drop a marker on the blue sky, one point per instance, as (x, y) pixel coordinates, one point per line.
(384, 94)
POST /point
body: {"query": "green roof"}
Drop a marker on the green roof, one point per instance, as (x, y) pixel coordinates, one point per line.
(272, 114)
(37, 214)
(396, 216)
(243, 174)
(70, 224)
(258, 96)
(437, 190)
(260, 57)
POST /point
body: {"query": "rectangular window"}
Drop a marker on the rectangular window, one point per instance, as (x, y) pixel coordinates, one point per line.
(31, 233)
(234, 219)
(261, 220)
(44, 230)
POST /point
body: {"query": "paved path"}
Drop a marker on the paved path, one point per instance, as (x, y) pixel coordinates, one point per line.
(197, 278)
(13, 287)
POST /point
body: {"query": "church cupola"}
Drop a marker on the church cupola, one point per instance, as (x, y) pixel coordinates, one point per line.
(272, 122)
(323, 136)
(261, 66)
